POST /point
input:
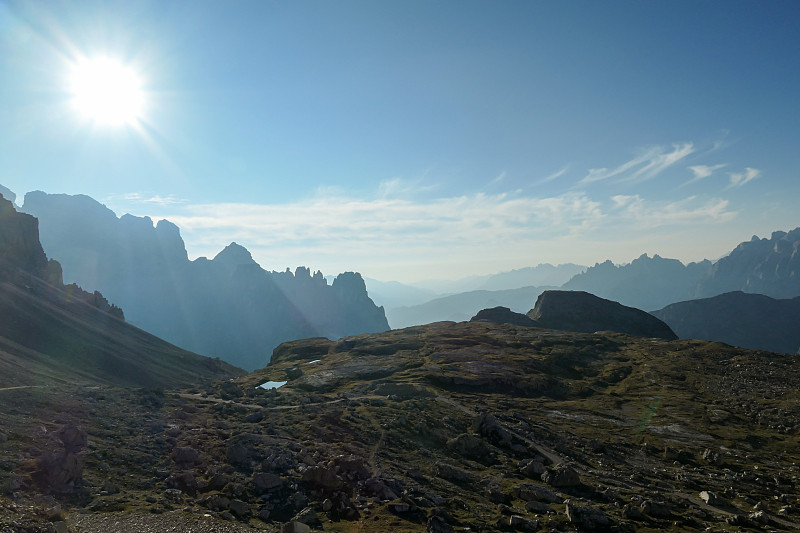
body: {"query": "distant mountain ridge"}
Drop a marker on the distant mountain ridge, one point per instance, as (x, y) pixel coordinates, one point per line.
(54, 333)
(760, 266)
(462, 306)
(227, 307)
(740, 319)
(646, 283)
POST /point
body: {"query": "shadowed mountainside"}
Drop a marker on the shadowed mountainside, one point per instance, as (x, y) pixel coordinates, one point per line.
(740, 319)
(228, 307)
(50, 333)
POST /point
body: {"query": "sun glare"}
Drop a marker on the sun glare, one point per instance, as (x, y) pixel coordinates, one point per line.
(107, 92)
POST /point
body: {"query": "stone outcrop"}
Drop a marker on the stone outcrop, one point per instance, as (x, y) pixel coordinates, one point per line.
(503, 315)
(583, 312)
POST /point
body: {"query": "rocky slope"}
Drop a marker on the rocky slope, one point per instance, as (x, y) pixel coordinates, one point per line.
(447, 427)
(227, 307)
(51, 333)
(741, 319)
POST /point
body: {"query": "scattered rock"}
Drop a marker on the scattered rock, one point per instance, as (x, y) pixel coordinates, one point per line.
(452, 473)
(239, 508)
(633, 512)
(322, 477)
(561, 476)
(264, 482)
(586, 517)
(713, 499)
(185, 456)
(295, 527)
(531, 492)
(522, 524)
(471, 447)
(538, 507)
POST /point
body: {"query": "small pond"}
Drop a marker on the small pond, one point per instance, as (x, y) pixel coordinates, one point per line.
(273, 384)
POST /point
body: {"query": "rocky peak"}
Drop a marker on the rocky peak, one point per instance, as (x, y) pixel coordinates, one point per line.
(8, 194)
(21, 253)
(584, 312)
(350, 283)
(234, 255)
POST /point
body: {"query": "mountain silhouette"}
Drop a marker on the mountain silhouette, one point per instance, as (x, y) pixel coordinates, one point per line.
(747, 320)
(55, 333)
(228, 307)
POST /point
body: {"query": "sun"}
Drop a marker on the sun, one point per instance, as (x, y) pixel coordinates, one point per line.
(106, 91)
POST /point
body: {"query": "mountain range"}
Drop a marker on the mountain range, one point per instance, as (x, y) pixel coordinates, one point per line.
(226, 307)
(52, 333)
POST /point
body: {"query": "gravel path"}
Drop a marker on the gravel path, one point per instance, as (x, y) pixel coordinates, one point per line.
(174, 521)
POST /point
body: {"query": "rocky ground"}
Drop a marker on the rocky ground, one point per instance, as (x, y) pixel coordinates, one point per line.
(446, 427)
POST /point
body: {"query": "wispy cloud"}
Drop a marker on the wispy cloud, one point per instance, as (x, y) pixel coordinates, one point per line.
(403, 235)
(400, 187)
(646, 166)
(555, 175)
(497, 179)
(737, 179)
(141, 198)
(685, 212)
(701, 172)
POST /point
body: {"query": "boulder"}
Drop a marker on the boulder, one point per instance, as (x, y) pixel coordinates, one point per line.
(264, 482)
(584, 312)
(561, 476)
(322, 477)
(503, 315)
(589, 518)
(532, 492)
(471, 447)
(295, 527)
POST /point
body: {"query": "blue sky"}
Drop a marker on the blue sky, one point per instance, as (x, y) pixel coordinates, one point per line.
(412, 140)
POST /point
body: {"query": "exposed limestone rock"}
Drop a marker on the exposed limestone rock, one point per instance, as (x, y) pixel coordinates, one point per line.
(472, 447)
(503, 315)
(561, 476)
(585, 312)
(589, 518)
(534, 492)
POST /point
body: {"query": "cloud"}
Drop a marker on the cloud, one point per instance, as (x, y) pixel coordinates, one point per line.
(739, 179)
(646, 166)
(497, 179)
(140, 198)
(400, 187)
(634, 211)
(555, 175)
(410, 238)
(701, 172)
